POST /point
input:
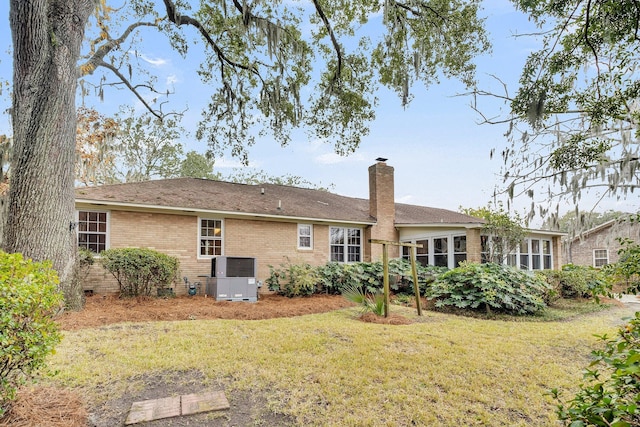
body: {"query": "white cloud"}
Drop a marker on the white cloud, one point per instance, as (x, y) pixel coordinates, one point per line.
(157, 62)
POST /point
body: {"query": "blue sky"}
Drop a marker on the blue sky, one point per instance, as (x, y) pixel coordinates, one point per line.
(439, 151)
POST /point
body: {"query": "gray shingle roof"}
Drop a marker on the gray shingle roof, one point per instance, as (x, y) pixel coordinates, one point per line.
(418, 215)
(232, 198)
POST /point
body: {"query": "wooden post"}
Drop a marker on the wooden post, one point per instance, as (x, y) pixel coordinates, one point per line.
(414, 273)
(385, 278)
(385, 272)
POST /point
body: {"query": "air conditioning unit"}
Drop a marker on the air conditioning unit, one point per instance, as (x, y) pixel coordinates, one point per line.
(233, 279)
(233, 266)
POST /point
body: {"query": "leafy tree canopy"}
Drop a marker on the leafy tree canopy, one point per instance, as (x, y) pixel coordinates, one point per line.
(260, 55)
(574, 119)
(504, 231)
(572, 222)
(269, 65)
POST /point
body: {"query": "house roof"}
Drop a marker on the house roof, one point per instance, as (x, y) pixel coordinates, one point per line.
(264, 200)
(412, 215)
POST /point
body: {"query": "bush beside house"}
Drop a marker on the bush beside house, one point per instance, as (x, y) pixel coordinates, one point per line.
(29, 298)
(490, 287)
(138, 270)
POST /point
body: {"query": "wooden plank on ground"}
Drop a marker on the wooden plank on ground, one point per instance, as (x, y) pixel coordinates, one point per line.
(204, 402)
(149, 410)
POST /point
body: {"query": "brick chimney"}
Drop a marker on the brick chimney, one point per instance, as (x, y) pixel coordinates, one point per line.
(382, 208)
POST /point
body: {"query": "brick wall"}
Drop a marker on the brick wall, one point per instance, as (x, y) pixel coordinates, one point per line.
(580, 251)
(272, 243)
(474, 245)
(382, 208)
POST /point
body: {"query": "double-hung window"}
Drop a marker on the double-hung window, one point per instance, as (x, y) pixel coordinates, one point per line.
(92, 230)
(305, 236)
(210, 237)
(600, 257)
(345, 244)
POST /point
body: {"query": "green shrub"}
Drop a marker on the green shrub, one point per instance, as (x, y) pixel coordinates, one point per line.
(610, 395)
(29, 298)
(334, 277)
(490, 287)
(368, 302)
(626, 271)
(139, 270)
(575, 281)
(293, 280)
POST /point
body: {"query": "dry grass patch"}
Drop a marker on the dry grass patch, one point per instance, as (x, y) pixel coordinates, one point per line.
(333, 370)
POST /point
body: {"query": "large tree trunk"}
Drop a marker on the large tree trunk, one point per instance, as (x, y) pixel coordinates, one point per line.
(47, 35)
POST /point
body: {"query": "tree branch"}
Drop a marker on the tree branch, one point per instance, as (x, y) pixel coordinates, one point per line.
(593, 49)
(174, 16)
(98, 57)
(132, 88)
(334, 41)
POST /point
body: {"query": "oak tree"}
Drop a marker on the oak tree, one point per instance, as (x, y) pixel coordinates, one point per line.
(574, 122)
(259, 56)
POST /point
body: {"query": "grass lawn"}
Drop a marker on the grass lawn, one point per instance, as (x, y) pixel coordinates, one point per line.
(334, 370)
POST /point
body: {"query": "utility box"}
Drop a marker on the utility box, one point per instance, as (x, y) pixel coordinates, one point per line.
(233, 288)
(233, 279)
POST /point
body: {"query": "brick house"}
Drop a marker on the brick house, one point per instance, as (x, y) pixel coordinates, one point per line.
(196, 219)
(599, 245)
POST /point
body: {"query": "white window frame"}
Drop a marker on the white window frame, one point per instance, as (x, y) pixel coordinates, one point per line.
(595, 264)
(530, 254)
(201, 237)
(107, 242)
(346, 244)
(430, 255)
(310, 236)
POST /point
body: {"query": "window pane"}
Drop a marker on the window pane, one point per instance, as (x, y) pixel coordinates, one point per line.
(423, 260)
(424, 250)
(440, 245)
(535, 262)
(546, 247)
(337, 253)
(337, 236)
(524, 262)
(405, 252)
(547, 262)
(458, 258)
(92, 230)
(305, 242)
(210, 237)
(524, 247)
(460, 244)
(354, 253)
(535, 246)
(353, 236)
(441, 260)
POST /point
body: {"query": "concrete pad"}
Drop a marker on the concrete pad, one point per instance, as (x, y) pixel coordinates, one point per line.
(204, 402)
(149, 410)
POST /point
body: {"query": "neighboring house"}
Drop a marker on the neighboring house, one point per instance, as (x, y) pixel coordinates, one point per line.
(196, 220)
(599, 246)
